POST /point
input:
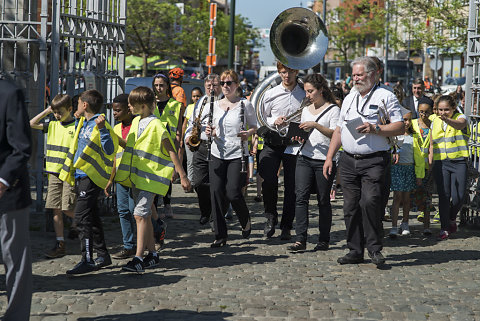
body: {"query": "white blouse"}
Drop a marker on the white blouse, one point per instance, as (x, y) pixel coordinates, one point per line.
(226, 145)
(317, 144)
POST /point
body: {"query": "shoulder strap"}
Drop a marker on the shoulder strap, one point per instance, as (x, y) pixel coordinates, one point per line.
(318, 118)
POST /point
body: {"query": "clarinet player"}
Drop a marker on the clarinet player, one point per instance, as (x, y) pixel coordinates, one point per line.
(200, 164)
(227, 150)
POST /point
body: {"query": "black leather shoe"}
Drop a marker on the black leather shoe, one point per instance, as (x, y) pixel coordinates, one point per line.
(286, 235)
(350, 259)
(219, 243)
(321, 246)
(377, 258)
(269, 229)
(83, 267)
(204, 220)
(247, 230)
(297, 246)
(103, 261)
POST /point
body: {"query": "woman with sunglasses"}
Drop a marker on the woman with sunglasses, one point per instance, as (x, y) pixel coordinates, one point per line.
(227, 150)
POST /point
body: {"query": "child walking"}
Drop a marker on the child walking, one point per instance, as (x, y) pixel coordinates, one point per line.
(60, 194)
(89, 165)
(448, 153)
(403, 179)
(146, 166)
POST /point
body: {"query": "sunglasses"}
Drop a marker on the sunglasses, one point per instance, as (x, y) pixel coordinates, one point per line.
(228, 83)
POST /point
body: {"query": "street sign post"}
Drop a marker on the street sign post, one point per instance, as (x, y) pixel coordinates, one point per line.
(212, 57)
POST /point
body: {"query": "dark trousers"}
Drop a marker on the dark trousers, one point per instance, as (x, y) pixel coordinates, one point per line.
(308, 175)
(451, 179)
(270, 160)
(167, 199)
(363, 181)
(89, 224)
(201, 179)
(226, 183)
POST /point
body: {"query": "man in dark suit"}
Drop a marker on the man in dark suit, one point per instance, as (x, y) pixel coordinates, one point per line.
(411, 102)
(15, 149)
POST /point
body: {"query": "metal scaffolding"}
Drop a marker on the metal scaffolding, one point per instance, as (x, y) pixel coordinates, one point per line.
(61, 46)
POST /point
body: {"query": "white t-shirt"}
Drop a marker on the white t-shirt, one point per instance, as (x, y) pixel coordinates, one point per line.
(317, 144)
(226, 144)
(279, 101)
(368, 106)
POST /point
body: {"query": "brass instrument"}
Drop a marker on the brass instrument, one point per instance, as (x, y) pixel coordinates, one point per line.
(195, 140)
(293, 117)
(299, 40)
(385, 119)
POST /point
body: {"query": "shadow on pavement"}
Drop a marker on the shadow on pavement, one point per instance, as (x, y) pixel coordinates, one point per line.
(432, 257)
(164, 315)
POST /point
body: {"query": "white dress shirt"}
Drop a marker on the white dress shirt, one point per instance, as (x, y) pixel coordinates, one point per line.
(368, 106)
(279, 101)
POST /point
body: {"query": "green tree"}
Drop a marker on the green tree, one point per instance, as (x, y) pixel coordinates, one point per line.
(150, 28)
(352, 26)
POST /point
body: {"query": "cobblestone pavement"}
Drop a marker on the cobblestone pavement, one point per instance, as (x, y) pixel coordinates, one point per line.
(258, 279)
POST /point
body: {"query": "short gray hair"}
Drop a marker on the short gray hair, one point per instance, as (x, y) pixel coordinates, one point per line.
(367, 62)
(211, 77)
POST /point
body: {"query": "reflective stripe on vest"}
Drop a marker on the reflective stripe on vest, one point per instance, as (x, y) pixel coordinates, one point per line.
(143, 163)
(451, 143)
(92, 160)
(170, 116)
(59, 138)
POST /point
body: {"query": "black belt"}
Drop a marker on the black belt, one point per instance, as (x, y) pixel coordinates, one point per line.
(365, 156)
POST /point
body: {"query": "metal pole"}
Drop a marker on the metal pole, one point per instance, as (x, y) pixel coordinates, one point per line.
(470, 58)
(385, 68)
(231, 34)
(324, 15)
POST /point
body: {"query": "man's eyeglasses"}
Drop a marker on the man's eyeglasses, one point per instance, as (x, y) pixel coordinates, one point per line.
(228, 83)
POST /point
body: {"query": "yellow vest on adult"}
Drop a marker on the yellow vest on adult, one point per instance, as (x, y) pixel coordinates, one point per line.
(59, 139)
(92, 160)
(420, 150)
(451, 143)
(170, 116)
(145, 162)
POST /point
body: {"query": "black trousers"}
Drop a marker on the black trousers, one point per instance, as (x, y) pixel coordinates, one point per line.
(201, 181)
(89, 224)
(363, 181)
(226, 183)
(270, 160)
(308, 174)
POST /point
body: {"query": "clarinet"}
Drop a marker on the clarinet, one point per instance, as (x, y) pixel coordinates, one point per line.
(210, 123)
(242, 142)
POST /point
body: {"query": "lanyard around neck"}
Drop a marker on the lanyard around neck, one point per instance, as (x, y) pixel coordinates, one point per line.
(366, 101)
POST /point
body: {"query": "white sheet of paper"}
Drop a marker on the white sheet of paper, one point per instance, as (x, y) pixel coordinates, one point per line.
(352, 125)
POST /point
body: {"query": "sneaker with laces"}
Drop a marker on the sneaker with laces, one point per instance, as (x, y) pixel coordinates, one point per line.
(160, 235)
(443, 235)
(135, 265)
(150, 261)
(436, 218)
(404, 228)
(393, 232)
(168, 211)
(57, 251)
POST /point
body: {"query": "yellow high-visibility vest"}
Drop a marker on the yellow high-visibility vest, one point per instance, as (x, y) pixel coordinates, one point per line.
(189, 111)
(145, 163)
(421, 148)
(170, 117)
(260, 143)
(452, 143)
(92, 161)
(59, 138)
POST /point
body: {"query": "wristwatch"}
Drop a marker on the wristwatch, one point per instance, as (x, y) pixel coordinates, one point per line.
(377, 129)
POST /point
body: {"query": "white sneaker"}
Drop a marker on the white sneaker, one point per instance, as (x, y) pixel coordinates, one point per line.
(404, 228)
(393, 232)
(168, 211)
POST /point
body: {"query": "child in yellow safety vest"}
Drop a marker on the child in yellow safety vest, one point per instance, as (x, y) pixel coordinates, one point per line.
(448, 154)
(88, 165)
(60, 194)
(146, 166)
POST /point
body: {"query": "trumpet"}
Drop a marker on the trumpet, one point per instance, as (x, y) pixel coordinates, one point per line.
(293, 117)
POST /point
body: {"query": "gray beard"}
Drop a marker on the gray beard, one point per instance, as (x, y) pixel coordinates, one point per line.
(364, 88)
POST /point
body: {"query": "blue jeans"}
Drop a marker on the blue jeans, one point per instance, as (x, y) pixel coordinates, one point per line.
(125, 206)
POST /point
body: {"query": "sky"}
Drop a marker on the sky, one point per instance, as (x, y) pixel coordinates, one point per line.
(261, 14)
